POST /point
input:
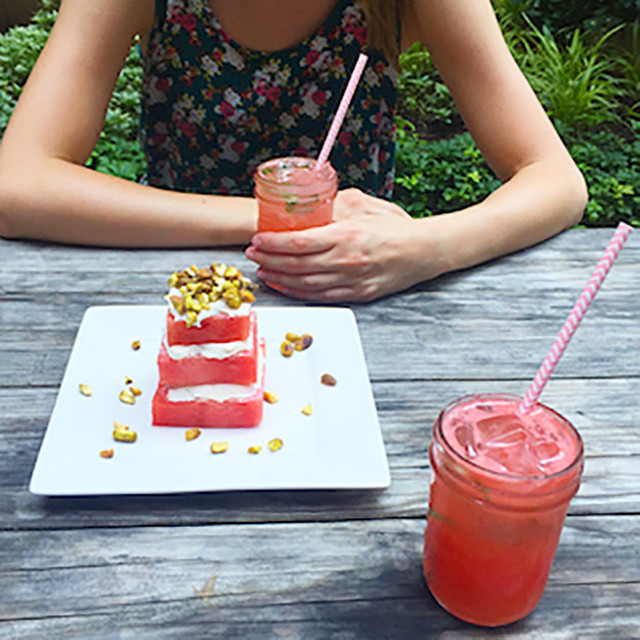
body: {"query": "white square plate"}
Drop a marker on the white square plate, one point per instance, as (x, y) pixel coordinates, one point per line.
(338, 446)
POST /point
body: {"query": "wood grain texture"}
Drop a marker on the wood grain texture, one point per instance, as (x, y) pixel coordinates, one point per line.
(522, 299)
(305, 564)
(359, 580)
(611, 481)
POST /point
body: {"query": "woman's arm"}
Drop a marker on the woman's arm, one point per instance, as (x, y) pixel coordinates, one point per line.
(366, 254)
(47, 193)
(543, 191)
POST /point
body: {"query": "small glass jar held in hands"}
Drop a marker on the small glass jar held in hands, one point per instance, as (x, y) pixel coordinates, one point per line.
(292, 195)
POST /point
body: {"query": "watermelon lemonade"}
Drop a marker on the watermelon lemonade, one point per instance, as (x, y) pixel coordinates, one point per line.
(499, 495)
(293, 195)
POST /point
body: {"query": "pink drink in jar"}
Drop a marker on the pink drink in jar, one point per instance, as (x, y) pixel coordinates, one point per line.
(500, 491)
(292, 196)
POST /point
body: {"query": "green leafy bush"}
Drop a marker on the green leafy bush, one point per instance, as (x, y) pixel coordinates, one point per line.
(422, 94)
(588, 83)
(436, 176)
(19, 49)
(629, 62)
(611, 167)
(117, 151)
(575, 82)
(445, 175)
(46, 14)
(589, 14)
(560, 15)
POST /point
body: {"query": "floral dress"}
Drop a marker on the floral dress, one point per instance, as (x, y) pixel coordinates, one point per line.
(212, 110)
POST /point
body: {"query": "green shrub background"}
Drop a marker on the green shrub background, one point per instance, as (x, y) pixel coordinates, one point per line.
(582, 59)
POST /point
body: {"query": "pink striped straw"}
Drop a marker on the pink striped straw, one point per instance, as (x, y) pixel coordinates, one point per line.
(574, 319)
(347, 96)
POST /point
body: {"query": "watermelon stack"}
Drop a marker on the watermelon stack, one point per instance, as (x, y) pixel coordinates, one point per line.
(211, 360)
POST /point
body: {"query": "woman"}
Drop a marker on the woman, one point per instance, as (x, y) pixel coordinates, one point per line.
(199, 55)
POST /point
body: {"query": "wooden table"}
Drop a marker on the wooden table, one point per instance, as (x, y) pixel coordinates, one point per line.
(339, 564)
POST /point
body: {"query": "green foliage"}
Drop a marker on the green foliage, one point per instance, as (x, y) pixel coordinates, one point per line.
(46, 14)
(117, 151)
(575, 82)
(19, 49)
(421, 91)
(611, 167)
(445, 175)
(437, 176)
(574, 53)
(629, 62)
(587, 78)
(589, 14)
(563, 16)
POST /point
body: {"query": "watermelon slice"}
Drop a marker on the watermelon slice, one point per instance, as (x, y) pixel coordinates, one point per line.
(207, 364)
(201, 406)
(216, 328)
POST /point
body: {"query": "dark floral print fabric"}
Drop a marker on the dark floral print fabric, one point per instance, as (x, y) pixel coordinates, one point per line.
(213, 110)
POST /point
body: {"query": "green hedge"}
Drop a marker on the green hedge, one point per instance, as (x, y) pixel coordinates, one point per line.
(589, 84)
(117, 151)
(588, 14)
(437, 176)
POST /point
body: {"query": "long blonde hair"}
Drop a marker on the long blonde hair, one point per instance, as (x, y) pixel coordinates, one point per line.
(383, 18)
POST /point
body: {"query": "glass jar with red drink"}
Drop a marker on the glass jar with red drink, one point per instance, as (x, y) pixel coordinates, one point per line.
(500, 490)
(292, 194)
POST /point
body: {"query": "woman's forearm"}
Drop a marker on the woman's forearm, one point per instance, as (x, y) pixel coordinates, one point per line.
(57, 200)
(540, 201)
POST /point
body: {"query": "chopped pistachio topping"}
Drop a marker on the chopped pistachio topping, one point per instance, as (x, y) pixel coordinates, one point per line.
(122, 433)
(192, 434)
(219, 447)
(127, 396)
(198, 288)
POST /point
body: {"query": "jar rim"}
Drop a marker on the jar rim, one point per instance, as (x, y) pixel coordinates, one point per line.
(440, 437)
(327, 173)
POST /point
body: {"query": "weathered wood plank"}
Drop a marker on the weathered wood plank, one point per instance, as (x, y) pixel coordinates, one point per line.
(407, 410)
(523, 299)
(597, 611)
(339, 564)
(435, 337)
(192, 579)
(578, 247)
(609, 486)
(611, 482)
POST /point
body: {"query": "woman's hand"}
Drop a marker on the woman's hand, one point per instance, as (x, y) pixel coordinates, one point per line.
(368, 251)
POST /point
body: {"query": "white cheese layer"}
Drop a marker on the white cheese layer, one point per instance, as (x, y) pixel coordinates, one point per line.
(212, 350)
(218, 392)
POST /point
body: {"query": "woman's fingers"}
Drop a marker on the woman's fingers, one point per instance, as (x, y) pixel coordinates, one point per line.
(361, 255)
(307, 241)
(311, 282)
(287, 263)
(330, 295)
